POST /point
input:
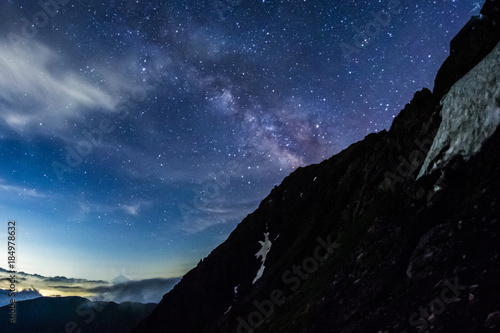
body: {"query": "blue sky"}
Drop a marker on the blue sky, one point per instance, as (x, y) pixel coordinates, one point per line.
(135, 135)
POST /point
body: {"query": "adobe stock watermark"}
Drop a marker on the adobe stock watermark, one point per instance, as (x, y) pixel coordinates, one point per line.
(420, 320)
(30, 28)
(293, 278)
(209, 191)
(365, 35)
(88, 311)
(408, 166)
(225, 7)
(477, 7)
(93, 138)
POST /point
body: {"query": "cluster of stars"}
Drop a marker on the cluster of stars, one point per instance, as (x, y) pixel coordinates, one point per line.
(268, 79)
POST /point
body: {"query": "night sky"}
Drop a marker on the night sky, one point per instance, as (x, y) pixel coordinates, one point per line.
(135, 135)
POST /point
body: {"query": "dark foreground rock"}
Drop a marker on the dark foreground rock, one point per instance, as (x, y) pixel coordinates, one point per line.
(358, 244)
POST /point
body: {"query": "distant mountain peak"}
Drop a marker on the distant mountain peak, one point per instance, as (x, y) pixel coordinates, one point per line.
(120, 279)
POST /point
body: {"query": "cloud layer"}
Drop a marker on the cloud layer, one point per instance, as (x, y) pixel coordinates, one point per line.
(120, 290)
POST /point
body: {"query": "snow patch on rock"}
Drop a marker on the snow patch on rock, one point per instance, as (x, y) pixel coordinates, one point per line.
(265, 248)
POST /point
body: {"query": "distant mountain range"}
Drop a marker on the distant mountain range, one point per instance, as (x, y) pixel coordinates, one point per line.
(22, 295)
(73, 314)
(397, 233)
(119, 290)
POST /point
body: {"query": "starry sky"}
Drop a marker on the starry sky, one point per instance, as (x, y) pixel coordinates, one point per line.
(136, 134)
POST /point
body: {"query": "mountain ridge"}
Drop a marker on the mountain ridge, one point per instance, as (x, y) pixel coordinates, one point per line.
(74, 314)
(407, 254)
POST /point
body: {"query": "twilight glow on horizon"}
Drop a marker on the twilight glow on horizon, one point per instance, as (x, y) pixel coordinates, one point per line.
(135, 135)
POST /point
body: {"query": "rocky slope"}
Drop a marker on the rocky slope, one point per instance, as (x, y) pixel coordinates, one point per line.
(357, 243)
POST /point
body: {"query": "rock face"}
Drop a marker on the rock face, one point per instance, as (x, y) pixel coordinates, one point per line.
(357, 243)
(470, 46)
(470, 114)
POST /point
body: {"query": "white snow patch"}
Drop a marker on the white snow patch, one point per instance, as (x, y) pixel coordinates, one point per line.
(266, 246)
(235, 293)
(470, 114)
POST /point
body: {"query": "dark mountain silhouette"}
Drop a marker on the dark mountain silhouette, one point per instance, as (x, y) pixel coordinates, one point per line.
(22, 295)
(73, 314)
(359, 243)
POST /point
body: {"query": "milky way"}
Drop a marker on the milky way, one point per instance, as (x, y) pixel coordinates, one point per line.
(135, 135)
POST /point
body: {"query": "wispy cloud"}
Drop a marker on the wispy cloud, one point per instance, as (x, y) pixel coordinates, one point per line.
(144, 291)
(21, 191)
(131, 209)
(38, 92)
(217, 213)
(85, 208)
